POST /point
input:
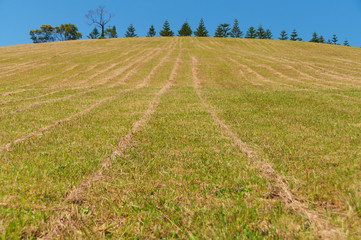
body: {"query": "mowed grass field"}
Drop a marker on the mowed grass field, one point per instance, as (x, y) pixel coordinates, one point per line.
(191, 138)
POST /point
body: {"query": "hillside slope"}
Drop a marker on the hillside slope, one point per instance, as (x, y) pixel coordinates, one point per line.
(180, 138)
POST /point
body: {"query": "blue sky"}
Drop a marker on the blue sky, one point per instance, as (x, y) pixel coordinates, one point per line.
(326, 17)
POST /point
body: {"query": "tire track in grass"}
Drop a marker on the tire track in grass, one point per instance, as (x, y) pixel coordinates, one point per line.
(52, 76)
(64, 90)
(283, 192)
(40, 131)
(288, 78)
(333, 74)
(74, 88)
(34, 64)
(64, 219)
(259, 76)
(75, 75)
(285, 62)
(346, 80)
(262, 78)
(139, 86)
(148, 57)
(123, 80)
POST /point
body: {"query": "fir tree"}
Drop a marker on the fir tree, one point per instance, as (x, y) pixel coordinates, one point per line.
(314, 38)
(94, 34)
(111, 32)
(222, 30)
(251, 33)
(166, 32)
(329, 41)
(321, 39)
(261, 34)
(346, 43)
(236, 32)
(151, 32)
(201, 30)
(294, 35)
(130, 32)
(185, 31)
(283, 35)
(268, 34)
(334, 39)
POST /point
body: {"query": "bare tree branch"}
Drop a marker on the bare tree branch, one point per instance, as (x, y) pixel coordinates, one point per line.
(100, 17)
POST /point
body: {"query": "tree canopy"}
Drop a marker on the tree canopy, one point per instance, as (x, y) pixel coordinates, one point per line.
(201, 30)
(151, 32)
(94, 34)
(222, 30)
(47, 33)
(251, 33)
(185, 31)
(111, 32)
(166, 32)
(283, 35)
(130, 32)
(236, 32)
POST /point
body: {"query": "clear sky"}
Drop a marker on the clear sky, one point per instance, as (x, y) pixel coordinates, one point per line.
(326, 17)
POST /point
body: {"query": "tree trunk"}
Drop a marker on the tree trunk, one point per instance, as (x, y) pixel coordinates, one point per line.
(103, 32)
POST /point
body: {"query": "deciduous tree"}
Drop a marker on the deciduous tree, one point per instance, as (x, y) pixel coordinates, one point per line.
(67, 32)
(44, 34)
(99, 17)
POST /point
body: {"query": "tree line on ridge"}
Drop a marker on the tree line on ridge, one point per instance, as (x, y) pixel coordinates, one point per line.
(100, 18)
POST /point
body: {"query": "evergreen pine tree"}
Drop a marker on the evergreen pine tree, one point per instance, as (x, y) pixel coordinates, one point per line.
(314, 38)
(334, 39)
(151, 32)
(329, 41)
(222, 30)
(294, 35)
(268, 34)
(94, 34)
(166, 32)
(261, 34)
(251, 33)
(201, 30)
(130, 32)
(236, 32)
(346, 43)
(111, 32)
(185, 31)
(283, 35)
(321, 39)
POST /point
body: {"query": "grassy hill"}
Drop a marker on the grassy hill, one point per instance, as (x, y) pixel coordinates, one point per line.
(180, 138)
